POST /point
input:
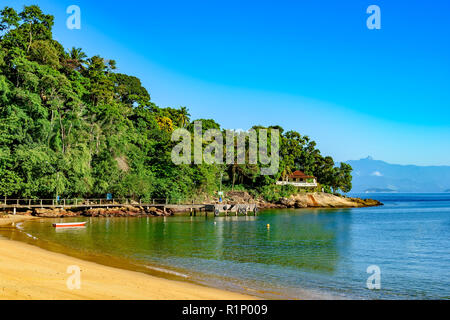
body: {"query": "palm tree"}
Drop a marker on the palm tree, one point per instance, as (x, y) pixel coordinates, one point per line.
(184, 116)
(286, 172)
(77, 58)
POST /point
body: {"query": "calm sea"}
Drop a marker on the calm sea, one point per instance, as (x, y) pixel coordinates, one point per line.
(303, 254)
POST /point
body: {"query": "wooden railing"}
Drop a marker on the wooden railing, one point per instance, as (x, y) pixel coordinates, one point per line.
(74, 202)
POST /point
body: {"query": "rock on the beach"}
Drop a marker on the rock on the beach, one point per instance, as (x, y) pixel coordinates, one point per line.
(52, 213)
(325, 200)
(126, 211)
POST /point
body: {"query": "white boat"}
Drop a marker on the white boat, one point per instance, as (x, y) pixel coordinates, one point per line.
(69, 225)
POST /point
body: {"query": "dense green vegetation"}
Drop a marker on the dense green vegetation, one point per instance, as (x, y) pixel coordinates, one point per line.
(72, 127)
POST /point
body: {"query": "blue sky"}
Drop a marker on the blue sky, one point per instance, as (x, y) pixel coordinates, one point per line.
(310, 66)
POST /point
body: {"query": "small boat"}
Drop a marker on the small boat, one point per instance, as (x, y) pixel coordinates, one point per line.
(69, 225)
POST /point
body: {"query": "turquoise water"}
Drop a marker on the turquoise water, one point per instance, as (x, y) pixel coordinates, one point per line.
(305, 253)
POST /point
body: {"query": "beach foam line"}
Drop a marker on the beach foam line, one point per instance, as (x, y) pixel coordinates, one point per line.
(20, 227)
(168, 271)
(30, 236)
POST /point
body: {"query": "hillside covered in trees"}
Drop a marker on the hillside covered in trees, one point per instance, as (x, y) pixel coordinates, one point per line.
(71, 126)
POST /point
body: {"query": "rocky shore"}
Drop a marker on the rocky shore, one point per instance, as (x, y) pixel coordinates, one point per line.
(326, 200)
(301, 200)
(124, 211)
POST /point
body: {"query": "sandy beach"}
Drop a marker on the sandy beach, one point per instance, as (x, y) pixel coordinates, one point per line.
(29, 272)
(10, 219)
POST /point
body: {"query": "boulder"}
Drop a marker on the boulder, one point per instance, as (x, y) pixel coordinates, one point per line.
(51, 213)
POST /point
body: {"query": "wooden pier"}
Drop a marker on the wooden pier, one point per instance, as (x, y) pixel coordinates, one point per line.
(74, 204)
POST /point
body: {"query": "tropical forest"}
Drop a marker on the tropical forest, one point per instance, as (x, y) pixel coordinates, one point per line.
(71, 126)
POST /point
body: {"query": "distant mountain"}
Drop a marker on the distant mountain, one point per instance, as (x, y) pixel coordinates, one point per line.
(371, 175)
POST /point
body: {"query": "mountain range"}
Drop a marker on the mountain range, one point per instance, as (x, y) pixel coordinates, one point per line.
(371, 175)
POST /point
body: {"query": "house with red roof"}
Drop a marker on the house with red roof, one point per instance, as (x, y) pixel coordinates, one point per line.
(299, 179)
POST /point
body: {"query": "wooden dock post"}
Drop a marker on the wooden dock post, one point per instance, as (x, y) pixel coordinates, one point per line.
(14, 211)
(41, 203)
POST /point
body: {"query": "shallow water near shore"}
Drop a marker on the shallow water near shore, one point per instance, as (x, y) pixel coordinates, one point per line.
(305, 253)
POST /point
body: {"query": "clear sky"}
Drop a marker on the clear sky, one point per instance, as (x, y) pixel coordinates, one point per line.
(311, 66)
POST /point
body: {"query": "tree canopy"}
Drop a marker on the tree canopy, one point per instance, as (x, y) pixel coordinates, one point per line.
(71, 126)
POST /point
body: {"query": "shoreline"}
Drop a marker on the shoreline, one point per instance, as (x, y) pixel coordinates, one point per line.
(322, 200)
(129, 271)
(10, 220)
(31, 272)
(316, 200)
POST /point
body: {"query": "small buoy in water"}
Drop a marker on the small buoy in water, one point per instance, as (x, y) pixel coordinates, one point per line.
(268, 226)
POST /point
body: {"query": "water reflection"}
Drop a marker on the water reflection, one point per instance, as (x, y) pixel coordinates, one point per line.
(70, 229)
(326, 250)
(310, 245)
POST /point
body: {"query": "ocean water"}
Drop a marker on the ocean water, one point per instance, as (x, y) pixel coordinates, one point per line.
(305, 253)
